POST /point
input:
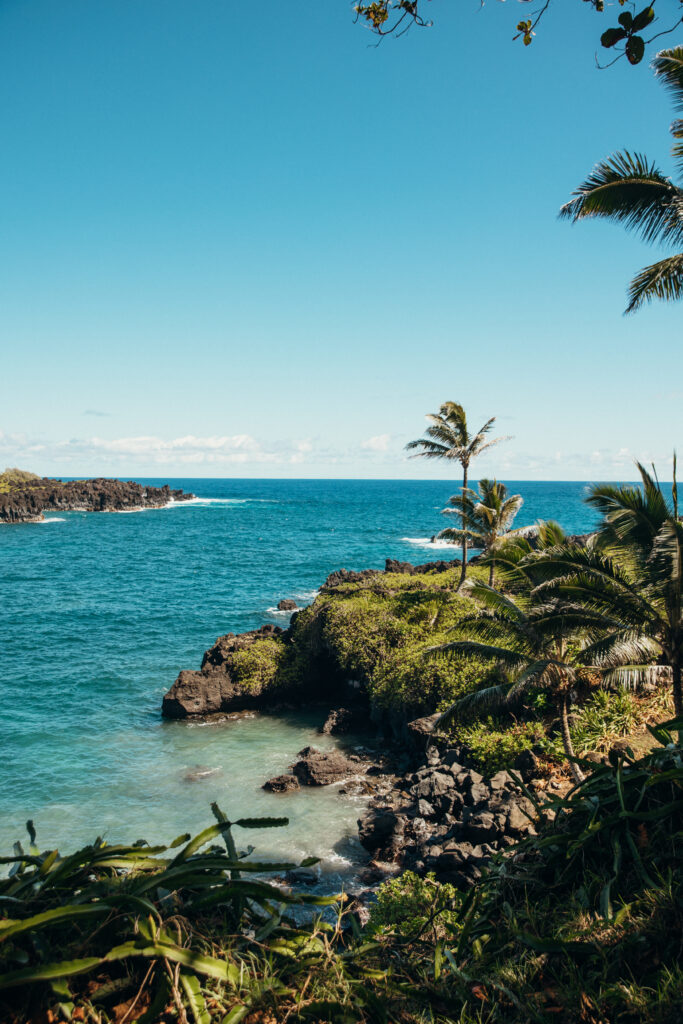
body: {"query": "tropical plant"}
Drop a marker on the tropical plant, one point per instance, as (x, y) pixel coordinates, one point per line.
(536, 646)
(448, 437)
(178, 925)
(628, 583)
(629, 189)
(487, 515)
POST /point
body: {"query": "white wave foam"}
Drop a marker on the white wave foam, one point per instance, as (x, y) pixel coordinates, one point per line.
(306, 595)
(280, 611)
(220, 501)
(53, 519)
(426, 542)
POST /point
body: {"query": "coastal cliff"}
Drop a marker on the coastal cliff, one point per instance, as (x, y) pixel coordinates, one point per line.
(24, 497)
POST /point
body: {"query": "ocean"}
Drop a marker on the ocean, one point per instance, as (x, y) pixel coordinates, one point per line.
(100, 611)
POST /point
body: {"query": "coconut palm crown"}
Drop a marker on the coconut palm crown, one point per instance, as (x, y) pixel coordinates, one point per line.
(448, 437)
(629, 189)
(487, 515)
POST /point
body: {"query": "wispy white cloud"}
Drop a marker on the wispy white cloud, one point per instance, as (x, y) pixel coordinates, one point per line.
(378, 443)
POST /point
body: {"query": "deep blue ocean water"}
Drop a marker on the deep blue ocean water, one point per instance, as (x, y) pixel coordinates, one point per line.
(99, 612)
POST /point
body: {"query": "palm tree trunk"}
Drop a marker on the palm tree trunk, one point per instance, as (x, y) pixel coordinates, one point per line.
(491, 573)
(576, 772)
(463, 571)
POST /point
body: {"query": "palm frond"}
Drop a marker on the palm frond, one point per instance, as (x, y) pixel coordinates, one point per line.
(491, 697)
(512, 660)
(628, 189)
(661, 280)
(631, 677)
(668, 68)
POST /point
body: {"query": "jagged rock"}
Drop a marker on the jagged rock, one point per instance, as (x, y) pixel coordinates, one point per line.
(315, 768)
(481, 827)
(500, 780)
(376, 827)
(301, 876)
(287, 605)
(517, 822)
(211, 690)
(420, 731)
(425, 809)
(345, 720)
(341, 576)
(30, 496)
(281, 784)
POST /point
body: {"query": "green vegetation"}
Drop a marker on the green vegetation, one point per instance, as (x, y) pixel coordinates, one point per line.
(16, 478)
(629, 189)
(413, 905)
(256, 666)
(581, 924)
(495, 743)
(448, 437)
(487, 515)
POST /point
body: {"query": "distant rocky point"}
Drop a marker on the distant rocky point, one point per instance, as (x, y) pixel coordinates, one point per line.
(24, 497)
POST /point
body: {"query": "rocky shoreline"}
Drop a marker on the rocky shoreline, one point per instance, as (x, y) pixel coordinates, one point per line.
(28, 497)
(429, 809)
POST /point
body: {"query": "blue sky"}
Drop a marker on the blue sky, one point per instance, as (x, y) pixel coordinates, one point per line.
(239, 241)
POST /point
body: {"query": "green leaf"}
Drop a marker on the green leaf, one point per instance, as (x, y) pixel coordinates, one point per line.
(612, 36)
(626, 20)
(643, 19)
(195, 998)
(635, 49)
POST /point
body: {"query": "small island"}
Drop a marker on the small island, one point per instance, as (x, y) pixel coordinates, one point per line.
(25, 497)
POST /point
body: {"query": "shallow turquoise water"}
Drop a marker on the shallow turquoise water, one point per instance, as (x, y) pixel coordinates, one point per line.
(99, 612)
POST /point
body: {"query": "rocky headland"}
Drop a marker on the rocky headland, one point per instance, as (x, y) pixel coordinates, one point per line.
(24, 497)
(430, 808)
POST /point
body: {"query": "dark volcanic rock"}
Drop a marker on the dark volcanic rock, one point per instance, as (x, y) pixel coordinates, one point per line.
(315, 768)
(341, 576)
(211, 690)
(29, 499)
(287, 605)
(281, 784)
(344, 720)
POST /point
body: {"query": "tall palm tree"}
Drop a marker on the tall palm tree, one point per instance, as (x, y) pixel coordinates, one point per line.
(447, 437)
(632, 578)
(628, 188)
(487, 515)
(536, 644)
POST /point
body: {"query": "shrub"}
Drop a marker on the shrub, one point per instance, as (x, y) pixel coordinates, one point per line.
(495, 743)
(256, 667)
(412, 905)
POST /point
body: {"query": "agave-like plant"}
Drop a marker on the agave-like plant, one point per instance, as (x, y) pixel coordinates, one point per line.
(487, 515)
(448, 437)
(630, 189)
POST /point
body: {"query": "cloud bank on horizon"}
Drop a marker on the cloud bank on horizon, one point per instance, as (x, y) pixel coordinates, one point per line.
(380, 456)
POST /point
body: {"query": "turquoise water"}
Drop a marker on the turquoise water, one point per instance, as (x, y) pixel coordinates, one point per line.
(99, 612)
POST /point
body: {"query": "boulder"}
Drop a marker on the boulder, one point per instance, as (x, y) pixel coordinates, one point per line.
(281, 784)
(315, 768)
(211, 690)
(345, 720)
(287, 605)
(376, 828)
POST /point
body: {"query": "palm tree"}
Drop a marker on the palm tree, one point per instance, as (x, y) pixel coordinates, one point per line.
(628, 188)
(632, 577)
(536, 644)
(487, 516)
(447, 437)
